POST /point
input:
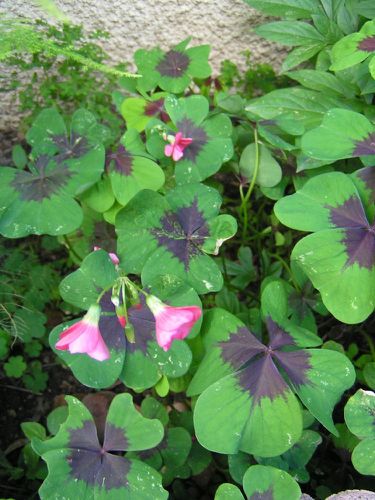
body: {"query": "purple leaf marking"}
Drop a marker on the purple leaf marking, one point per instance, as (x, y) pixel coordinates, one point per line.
(183, 232)
(173, 64)
(367, 44)
(156, 108)
(359, 236)
(95, 464)
(366, 146)
(258, 366)
(74, 146)
(50, 180)
(198, 134)
(121, 161)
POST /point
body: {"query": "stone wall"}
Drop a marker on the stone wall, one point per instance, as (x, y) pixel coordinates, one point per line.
(225, 24)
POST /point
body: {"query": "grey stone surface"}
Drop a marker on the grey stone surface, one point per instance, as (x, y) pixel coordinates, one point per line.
(353, 495)
(224, 24)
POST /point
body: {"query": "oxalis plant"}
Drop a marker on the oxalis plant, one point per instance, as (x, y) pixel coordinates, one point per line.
(238, 235)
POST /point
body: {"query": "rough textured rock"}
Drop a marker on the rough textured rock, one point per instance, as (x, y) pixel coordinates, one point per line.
(225, 24)
(353, 495)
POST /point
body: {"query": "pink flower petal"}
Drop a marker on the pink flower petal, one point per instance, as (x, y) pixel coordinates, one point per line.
(114, 259)
(185, 141)
(168, 150)
(86, 341)
(177, 153)
(172, 322)
(69, 335)
(100, 352)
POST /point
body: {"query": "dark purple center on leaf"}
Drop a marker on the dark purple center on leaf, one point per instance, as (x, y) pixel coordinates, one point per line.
(366, 146)
(183, 232)
(121, 161)
(143, 322)
(173, 64)
(367, 44)
(113, 333)
(359, 236)
(98, 465)
(302, 302)
(261, 370)
(49, 179)
(156, 108)
(72, 147)
(198, 134)
(367, 175)
(109, 325)
(262, 495)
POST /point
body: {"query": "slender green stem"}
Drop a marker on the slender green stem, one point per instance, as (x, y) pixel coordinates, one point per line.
(370, 343)
(245, 199)
(288, 269)
(70, 248)
(127, 280)
(123, 296)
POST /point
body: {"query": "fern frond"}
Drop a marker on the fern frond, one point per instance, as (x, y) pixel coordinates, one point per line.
(20, 36)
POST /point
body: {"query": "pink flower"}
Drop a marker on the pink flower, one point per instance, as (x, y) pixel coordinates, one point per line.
(85, 337)
(172, 322)
(112, 256)
(176, 146)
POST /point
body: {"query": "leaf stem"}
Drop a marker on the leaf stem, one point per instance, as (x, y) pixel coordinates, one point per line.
(287, 268)
(70, 248)
(123, 296)
(370, 343)
(245, 199)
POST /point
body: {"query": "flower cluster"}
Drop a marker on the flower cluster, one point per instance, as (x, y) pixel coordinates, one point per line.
(171, 323)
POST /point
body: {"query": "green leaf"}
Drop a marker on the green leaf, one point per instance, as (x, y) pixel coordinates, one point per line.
(365, 8)
(360, 418)
(153, 235)
(131, 170)
(360, 414)
(138, 111)
(41, 200)
(354, 48)
(211, 138)
(269, 171)
(100, 196)
(238, 465)
(369, 374)
(243, 271)
(290, 33)
(33, 429)
(15, 366)
(111, 474)
(342, 134)
(172, 71)
(338, 257)
(19, 156)
(35, 380)
(56, 418)
(82, 288)
(28, 324)
(305, 107)
(300, 55)
(244, 403)
(227, 491)
(290, 9)
(152, 408)
(322, 81)
(260, 480)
